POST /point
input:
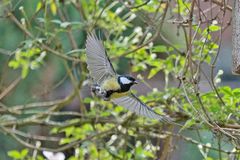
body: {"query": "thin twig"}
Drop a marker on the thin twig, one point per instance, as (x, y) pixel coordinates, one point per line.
(10, 87)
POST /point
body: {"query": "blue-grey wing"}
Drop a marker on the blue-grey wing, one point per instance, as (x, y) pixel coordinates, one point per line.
(98, 62)
(134, 104)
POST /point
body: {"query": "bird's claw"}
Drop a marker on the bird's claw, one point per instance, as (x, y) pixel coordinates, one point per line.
(96, 89)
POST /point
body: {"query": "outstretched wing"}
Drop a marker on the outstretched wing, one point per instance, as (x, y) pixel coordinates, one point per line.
(98, 62)
(134, 104)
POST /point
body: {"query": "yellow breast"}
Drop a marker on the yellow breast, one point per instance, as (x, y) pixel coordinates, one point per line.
(110, 84)
(118, 95)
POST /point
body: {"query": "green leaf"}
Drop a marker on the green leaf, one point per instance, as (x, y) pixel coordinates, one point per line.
(54, 130)
(18, 155)
(214, 28)
(87, 127)
(93, 150)
(14, 64)
(25, 71)
(226, 90)
(53, 7)
(215, 46)
(139, 152)
(39, 6)
(149, 154)
(153, 72)
(74, 158)
(24, 153)
(40, 157)
(69, 130)
(14, 154)
(66, 141)
(236, 92)
(87, 100)
(105, 114)
(118, 109)
(160, 48)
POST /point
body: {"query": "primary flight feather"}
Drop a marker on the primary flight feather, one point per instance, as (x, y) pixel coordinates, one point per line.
(111, 86)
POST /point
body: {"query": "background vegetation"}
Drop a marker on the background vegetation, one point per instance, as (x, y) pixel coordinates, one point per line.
(172, 47)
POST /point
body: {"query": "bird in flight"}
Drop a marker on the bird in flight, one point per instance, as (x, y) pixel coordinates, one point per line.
(111, 86)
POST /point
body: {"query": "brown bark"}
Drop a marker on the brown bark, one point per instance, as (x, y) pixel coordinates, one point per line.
(236, 37)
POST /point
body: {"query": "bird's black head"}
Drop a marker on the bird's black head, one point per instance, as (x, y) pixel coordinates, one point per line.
(126, 82)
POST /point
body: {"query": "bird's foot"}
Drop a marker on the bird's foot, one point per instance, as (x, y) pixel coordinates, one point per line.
(96, 89)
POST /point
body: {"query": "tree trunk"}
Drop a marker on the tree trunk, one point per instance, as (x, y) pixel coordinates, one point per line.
(236, 37)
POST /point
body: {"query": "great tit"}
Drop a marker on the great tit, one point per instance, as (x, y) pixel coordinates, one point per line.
(111, 86)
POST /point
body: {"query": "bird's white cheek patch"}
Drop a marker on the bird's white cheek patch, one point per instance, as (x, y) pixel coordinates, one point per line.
(124, 80)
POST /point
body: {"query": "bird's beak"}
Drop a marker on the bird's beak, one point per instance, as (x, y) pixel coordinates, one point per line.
(135, 82)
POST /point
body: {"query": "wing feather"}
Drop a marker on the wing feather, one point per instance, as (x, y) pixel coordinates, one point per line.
(98, 62)
(134, 104)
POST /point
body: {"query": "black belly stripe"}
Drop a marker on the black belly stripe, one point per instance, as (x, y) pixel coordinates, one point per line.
(110, 92)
